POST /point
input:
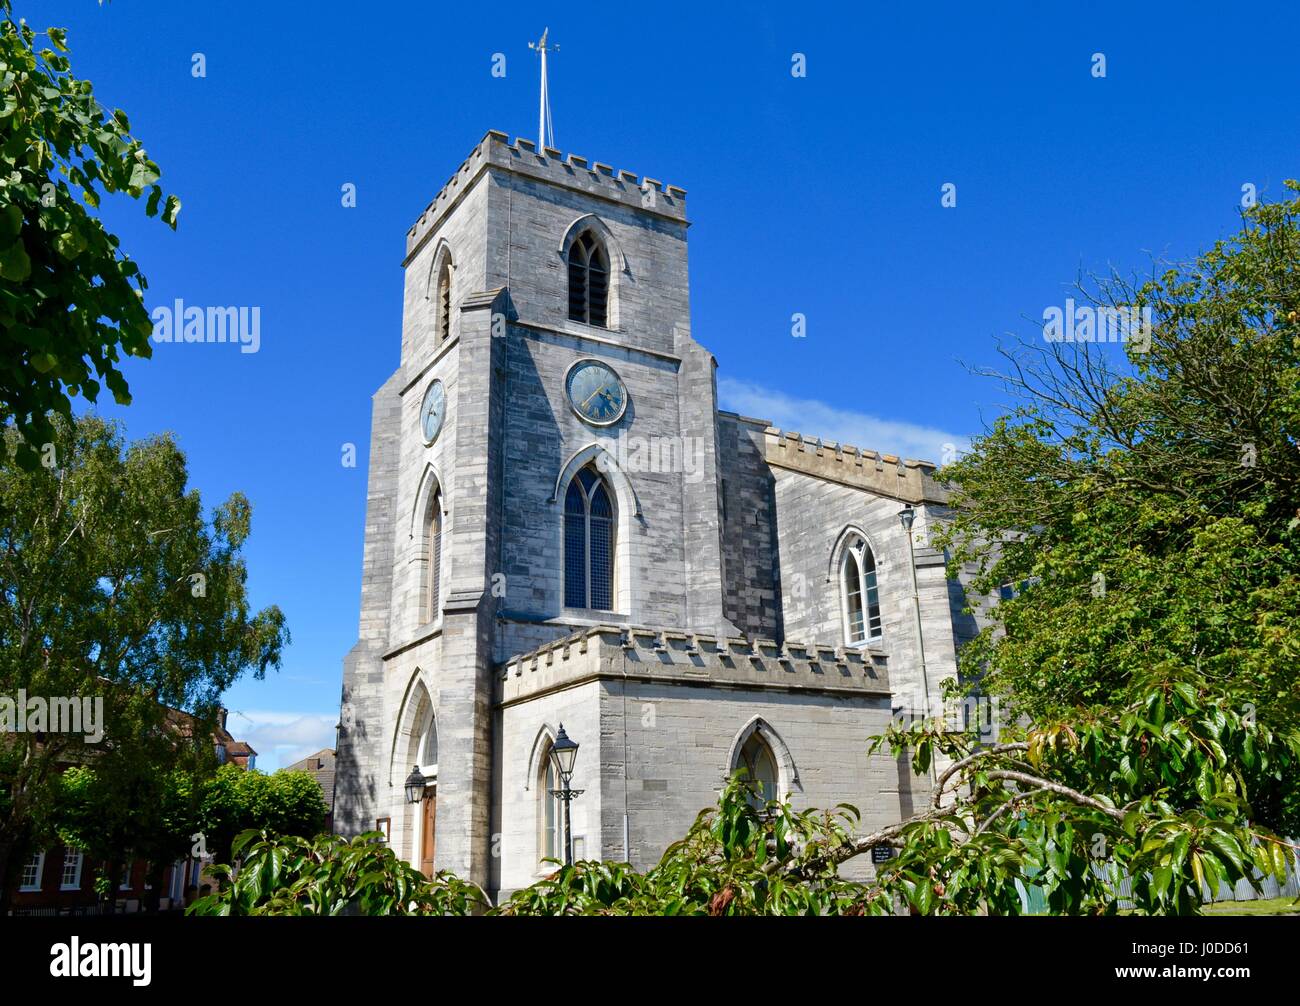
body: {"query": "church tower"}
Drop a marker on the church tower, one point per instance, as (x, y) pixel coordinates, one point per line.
(563, 530)
(546, 353)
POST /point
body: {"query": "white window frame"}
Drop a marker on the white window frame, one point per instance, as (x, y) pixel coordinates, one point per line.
(35, 885)
(76, 883)
(855, 551)
(549, 778)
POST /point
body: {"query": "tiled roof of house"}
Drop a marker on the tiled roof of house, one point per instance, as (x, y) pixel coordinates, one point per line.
(321, 767)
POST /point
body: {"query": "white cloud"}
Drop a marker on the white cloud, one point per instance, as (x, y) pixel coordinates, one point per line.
(282, 738)
(818, 419)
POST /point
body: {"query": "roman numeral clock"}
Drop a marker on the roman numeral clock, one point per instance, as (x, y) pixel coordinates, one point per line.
(596, 393)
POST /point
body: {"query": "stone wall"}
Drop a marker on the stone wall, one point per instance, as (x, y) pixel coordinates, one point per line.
(673, 710)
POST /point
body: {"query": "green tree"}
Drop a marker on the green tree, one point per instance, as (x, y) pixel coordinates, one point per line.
(237, 800)
(1154, 791)
(125, 808)
(281, 875)
(115, 587)
(71, 303)
(1147, 511)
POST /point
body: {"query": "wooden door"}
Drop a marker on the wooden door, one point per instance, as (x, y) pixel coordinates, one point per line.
(429, 810)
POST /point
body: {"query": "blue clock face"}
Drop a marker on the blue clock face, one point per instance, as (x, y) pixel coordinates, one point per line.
(596, 393)
(432, 409)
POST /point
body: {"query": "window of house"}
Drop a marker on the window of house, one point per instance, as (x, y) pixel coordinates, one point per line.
(859, 592)
(589, 542)
(30, 877)
(588, 280)
(71, 878)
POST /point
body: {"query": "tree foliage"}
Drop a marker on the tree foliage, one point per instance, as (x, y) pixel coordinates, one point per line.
(330, 876)
(125, 808)
(115, 586)
(1147, 512)
(71, 303)
(1156, 792)
(237, 800)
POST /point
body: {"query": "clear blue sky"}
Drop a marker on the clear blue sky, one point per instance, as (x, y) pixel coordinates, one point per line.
(818, 195)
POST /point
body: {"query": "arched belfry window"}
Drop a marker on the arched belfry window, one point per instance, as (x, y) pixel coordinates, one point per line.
(588, 280)
(589, 542)
(859, 593)
(434, 584)
(759, 765)
(442, 303)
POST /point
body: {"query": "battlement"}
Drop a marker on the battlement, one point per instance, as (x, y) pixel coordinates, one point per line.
(690, 659)
(910, 480)
(523, 158)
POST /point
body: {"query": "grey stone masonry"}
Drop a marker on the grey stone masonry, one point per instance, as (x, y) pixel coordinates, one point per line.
(674, 708)
(682, 658)
(728, 628)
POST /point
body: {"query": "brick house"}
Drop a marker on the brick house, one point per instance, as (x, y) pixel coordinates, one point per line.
(60, 880)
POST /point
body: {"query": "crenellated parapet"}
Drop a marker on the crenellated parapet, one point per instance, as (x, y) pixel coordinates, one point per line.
(687, 658)
(554, 167)
(911, 481)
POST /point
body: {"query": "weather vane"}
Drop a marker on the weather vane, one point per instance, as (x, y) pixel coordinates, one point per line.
(545, 124)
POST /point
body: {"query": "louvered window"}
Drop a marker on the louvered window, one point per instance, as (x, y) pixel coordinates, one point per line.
(444, 303)
(435, 557)
(588, 281)
(588, 543)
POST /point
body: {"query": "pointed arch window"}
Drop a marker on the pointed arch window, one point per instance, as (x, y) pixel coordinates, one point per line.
(551, 816)
(589, 542)
(859, 593)
(588, 281)
(442, 304)
(426, 747)
(435, 559)
(759, 765)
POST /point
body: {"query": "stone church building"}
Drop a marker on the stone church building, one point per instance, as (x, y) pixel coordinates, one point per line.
(563, 528)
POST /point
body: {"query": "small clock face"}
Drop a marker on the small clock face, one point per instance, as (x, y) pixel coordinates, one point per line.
(596, 392)
(433, 408)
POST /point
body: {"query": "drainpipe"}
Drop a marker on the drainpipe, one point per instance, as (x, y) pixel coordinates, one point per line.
(907, 515)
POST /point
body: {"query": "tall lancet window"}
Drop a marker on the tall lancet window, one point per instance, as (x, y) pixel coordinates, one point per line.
(442, 308)
(860, 594)
(435, 558)
(588, 280)
(589, 542)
